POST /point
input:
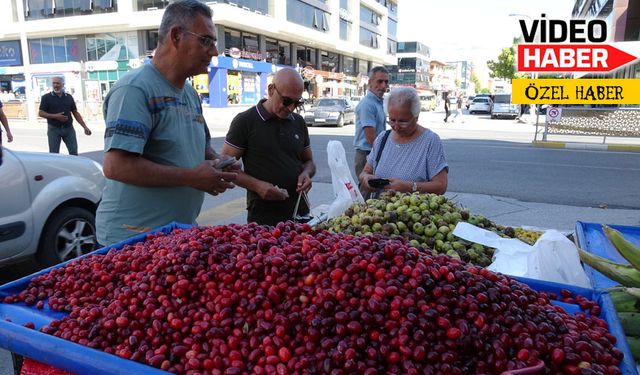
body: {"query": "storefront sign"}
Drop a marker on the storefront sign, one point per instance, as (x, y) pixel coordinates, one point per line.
(10, 53)
(237, 53)
(240, 64)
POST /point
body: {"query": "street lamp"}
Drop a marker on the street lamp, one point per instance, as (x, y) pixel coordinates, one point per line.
(534, 75)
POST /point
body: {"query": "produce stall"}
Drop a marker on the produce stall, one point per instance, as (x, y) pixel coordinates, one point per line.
(612, 263)
(385, 288)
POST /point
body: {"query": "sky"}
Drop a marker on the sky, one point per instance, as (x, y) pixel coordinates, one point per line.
(474, 30)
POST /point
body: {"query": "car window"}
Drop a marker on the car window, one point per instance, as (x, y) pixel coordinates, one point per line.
(328, 102)
(502, 99)
(480, 100)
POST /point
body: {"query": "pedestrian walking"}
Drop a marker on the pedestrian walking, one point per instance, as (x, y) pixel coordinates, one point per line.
(370, 119)
(273, 141)
(5, 123)
(446, 106)
(57, 107)
(458, 116)
(158, 161)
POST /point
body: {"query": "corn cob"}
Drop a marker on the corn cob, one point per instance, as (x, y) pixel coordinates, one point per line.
(629, 251)
(622, 273)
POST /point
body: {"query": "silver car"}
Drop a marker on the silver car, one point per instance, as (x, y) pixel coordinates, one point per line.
(331, 111)
(47, 206)
(480, 104)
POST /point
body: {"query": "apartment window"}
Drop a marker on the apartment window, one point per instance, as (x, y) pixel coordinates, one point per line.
(363, 67)
(53, 50)
(307, 15)
(349, 66)
(329, 61)
(393, 8)
(112, 46)
(232, 39)
(258, 6)
(369, 16)
(284, 53)
(305, 56)
(39, 9)
(392, 47)
(277, 52)
(344, 4)
(392, 28)
(152, 4)
(250, 42)
(345, 29)
(369, 39)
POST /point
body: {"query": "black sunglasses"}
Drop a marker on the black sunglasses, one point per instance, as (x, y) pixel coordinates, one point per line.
(287, 101)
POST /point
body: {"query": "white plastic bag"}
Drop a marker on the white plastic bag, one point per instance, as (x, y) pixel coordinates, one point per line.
(345, 187)
(555, 258)
(552, 258)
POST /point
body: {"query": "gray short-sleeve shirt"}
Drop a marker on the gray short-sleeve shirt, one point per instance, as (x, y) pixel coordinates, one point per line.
(419, 160)
(148, 116)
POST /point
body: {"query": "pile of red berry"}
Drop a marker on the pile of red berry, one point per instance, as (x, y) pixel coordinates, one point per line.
(235, 299)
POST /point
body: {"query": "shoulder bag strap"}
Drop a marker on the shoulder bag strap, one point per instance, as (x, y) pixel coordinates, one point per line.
(384, 141)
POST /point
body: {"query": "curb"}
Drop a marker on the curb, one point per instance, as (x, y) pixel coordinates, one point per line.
(586, 146)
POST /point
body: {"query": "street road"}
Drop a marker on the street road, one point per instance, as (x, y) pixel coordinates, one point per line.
(492, 157)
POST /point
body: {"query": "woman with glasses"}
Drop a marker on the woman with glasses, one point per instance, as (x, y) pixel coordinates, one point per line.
(409, 157)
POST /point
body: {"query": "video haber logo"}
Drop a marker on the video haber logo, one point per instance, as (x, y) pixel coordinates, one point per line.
(575, 56)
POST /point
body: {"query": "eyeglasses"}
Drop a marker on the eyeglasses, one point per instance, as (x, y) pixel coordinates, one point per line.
(401, 123)
(205, 40)
(287, 101)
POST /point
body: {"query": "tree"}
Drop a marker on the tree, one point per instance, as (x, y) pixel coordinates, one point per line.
(505, 66)
(476, 82)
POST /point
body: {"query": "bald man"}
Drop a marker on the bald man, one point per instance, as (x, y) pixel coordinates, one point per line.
(273, 142)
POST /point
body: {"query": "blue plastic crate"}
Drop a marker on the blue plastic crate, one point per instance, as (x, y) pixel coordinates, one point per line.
(79, 359)
(52, 350)
(591, 238)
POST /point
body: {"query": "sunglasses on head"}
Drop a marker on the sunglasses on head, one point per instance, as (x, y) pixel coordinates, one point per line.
(287, 101)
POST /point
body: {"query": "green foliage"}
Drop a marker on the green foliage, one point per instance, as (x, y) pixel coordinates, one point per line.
(505, 66)
(476, 82)
(485, 90)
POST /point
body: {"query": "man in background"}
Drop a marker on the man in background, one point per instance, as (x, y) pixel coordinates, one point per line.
(57, 107)
(370, 118)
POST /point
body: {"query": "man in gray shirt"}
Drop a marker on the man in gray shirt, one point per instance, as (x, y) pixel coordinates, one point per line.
(370, 118)
(158, 161)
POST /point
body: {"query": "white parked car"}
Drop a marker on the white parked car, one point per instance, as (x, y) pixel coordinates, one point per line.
(480, 104)
(47, 206)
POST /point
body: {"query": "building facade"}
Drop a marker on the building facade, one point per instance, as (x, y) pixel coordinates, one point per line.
(333, 43)
(623, 19)
(412, 67)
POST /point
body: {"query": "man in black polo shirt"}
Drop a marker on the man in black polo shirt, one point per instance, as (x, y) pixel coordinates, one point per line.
(274, 145)
(57, 107)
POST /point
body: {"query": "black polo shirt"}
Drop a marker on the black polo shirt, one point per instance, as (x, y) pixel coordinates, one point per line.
(273, 150)
(52, 103)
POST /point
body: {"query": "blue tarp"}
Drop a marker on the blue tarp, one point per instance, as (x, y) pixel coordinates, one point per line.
(591, 238)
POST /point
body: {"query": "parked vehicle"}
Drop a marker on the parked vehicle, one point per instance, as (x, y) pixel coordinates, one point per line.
(480, 104)
(331, 111)
(452, 101)
(469, 101)
(428, 102)
(48, 206)
(502, 107)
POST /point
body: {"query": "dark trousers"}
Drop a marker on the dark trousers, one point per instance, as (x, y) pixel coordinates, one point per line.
(65, 133)
(360, 161)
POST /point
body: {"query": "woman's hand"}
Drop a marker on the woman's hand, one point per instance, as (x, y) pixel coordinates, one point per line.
(402, 186)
